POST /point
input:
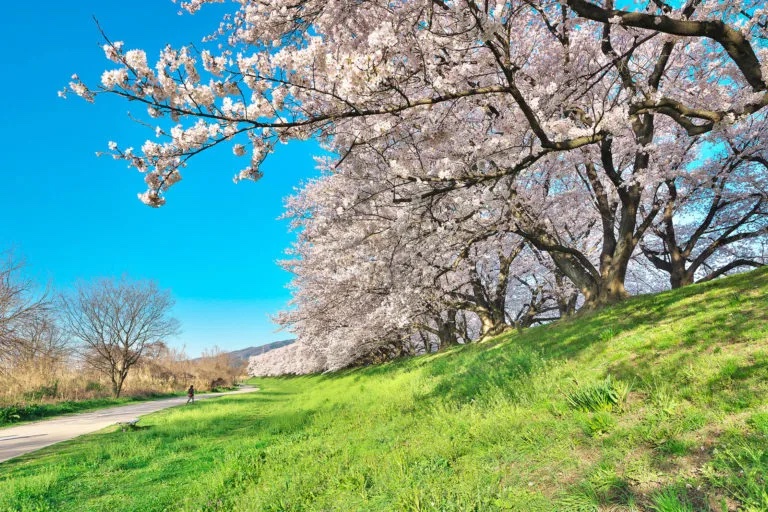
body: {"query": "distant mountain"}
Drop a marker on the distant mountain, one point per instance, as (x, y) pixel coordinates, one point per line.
(245, 353)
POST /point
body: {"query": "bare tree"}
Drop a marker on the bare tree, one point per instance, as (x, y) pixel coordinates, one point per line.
(116, 322)
(41, 342)
(20, 306)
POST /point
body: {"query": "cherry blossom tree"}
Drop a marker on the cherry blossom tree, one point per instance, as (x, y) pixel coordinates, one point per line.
(505, 283)
(360, 282)
(377, 278)
(527, 97)
(714, 218)
(291, 359)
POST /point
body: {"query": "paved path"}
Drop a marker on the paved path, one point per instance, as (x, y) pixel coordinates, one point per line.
(15, 441)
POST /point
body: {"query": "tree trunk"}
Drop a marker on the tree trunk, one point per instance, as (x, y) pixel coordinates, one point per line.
(117, 383)
(566, 305)
(621, 233)
(679, 276)
(609, 290)
(491, 322)
(599, 289)
(116, 388)
(446, 330)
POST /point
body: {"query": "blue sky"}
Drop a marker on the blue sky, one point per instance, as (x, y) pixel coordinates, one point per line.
(74, 216)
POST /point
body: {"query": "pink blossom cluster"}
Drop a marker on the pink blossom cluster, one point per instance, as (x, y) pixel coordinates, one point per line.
(609, 150)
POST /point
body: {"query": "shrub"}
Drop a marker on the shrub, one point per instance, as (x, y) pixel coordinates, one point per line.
(50, 391)
(95, 386)
(19, 412)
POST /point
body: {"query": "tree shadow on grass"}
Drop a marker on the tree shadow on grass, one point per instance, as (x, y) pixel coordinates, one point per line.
(673, 327)
(469, 377)
(694, 318)
(646, 329)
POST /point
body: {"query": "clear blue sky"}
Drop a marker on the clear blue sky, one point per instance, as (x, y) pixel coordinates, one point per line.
(75, 216)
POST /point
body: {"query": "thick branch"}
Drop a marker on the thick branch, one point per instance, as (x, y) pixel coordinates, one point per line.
(732, 265)
(732, 40)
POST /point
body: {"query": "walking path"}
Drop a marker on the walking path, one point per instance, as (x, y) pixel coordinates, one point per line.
(15, 441)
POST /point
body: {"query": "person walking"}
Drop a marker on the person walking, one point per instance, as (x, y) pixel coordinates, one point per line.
(191, 394)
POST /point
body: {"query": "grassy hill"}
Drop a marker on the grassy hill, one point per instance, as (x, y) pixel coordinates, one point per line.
(660, 404)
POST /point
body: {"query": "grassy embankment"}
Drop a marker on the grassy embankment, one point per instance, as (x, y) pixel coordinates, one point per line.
(658, 404)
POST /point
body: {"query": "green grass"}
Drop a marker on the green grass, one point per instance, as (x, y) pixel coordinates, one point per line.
(13, 414)
(658, 404)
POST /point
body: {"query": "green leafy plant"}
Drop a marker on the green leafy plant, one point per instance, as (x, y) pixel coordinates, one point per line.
(606, 395)
(608, 334)
(19, 412)
(599, 423)
(50, 391)
(93, 385)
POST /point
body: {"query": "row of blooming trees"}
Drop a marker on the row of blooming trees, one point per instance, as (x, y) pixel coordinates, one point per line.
(496, 163)
(379, 280)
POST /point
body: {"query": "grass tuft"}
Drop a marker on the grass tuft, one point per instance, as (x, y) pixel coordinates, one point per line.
(670, 500)
(606, 395)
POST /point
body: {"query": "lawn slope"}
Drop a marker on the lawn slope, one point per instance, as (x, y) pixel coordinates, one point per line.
(660, 403)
